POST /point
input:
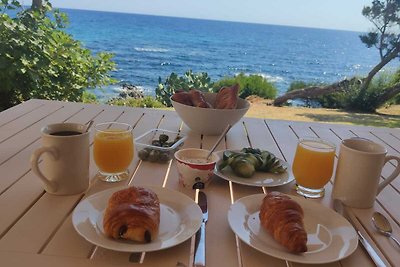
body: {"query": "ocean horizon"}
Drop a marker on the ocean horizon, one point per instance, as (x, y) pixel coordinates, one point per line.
(147, 47)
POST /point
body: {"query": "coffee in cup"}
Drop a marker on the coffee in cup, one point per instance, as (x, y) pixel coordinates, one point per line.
(65, 154)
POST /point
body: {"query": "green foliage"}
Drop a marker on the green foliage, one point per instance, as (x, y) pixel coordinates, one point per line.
(368, 101)
(395, 80)
(39, 60)
(173, 83)
(249, 85)
(146, 102)
(350, 99)
(385, 16)
(89, 97)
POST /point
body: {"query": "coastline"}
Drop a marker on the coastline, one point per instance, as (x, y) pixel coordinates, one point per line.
(385, 117)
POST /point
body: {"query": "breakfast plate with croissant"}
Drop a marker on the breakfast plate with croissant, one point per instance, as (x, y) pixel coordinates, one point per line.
(292, 228)
(137, 219)
(253, 167)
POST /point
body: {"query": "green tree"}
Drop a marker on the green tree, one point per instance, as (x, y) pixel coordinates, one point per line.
(385, 37)
(39, 60)
(385, 16)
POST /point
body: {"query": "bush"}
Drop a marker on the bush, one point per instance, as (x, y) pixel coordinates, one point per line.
(249, 85)
(350, 99)
(173, 83)
(88, 97)
(146, 102)
(369, 101)
(39, 60)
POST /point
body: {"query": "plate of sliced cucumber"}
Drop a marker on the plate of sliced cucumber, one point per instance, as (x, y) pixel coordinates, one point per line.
(253, 167)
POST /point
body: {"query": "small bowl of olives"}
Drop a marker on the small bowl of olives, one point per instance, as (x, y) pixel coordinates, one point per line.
(158, 145)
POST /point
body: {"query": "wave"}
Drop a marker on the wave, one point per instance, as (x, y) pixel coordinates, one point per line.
(151, 49)
(266, 76)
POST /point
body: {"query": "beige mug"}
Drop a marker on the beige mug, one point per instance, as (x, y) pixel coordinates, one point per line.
(359, 170)
(65, 153)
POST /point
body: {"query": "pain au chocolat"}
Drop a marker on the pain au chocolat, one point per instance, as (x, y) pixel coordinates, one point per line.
(134, 214)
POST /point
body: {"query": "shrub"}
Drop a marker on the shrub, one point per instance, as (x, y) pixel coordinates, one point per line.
(369, 101)
(146, 102)
(350, 99)
(249, 85)
(173, 83)
(89, 97)
(39, 60)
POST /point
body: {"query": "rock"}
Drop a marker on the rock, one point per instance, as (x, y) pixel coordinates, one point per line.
(130, 90)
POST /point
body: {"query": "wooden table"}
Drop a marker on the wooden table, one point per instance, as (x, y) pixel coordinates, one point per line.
(36, 227)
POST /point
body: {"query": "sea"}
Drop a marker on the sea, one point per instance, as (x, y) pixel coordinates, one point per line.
(147, 48)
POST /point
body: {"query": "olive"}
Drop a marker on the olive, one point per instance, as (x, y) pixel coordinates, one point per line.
(154, 155)
(156, 143)
(163, 138)
(143, 154)
(163, 157)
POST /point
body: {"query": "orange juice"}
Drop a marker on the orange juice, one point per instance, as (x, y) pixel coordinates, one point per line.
(113, 150)
(313, 163)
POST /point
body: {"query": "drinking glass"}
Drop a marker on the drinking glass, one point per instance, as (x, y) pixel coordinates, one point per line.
(113, 150)
(313, 166)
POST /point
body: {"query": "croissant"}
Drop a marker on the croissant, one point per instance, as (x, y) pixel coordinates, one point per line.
(198, 99)
(227, 97)
(133, 213)
(183, 98)
(282, 217)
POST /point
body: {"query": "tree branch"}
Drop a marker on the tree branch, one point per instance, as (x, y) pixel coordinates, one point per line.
(388, 94)
(36, 4)
(314, 91)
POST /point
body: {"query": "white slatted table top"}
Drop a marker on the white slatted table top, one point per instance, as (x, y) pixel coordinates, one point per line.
(36, 227)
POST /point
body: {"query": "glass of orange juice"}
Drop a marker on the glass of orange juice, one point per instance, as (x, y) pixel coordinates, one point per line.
(113, 150)
(313, 166)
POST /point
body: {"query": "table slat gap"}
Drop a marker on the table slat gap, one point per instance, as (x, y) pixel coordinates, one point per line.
(18, 151)
(11, 119)
(22, 214)
(395, 136)
(276, 142)
(57, 227)
(167, 173)
(360, 226)
(29, 125)
(14, 182)
(385, 142)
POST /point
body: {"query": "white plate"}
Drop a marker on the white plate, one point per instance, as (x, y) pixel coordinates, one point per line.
(330, 236)
(180, 218)
(266, 179)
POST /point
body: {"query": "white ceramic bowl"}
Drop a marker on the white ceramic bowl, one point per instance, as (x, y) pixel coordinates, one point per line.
(209, 121)
(191, 170)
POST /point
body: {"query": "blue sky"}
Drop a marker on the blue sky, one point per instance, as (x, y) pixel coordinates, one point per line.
(329, 14)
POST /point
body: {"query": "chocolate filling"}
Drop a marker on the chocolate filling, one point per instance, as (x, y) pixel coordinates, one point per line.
(122, 230)
(147, 236)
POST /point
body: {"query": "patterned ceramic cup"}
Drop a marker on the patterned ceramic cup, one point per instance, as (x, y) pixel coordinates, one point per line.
(193, 167)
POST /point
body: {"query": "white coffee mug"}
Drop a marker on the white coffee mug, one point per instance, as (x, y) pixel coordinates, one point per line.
(359, 170)
(65, 154)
